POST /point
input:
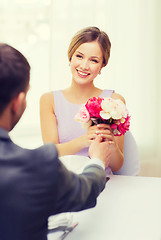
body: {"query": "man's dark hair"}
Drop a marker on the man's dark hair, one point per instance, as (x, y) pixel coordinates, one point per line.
(14, 74)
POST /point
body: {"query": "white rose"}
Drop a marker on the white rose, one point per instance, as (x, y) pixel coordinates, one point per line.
(111, 108)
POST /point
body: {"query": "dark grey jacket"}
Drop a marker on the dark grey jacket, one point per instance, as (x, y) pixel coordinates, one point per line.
(34, 184)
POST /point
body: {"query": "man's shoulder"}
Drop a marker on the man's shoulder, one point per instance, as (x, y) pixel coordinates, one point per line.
(44, 155)
(40, 163)
(46, 152)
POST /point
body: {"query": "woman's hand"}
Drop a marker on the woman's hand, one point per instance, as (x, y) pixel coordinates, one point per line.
(105, 131)
(91, 133)
(107, 134)
(115, 144)
(101, 129)
(100, 149)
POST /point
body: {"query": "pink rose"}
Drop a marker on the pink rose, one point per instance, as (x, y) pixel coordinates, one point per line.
(123, 127)
(93, 106)
(114, 126)
(83, 115)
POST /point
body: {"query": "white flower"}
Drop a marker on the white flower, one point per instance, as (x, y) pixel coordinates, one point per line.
(123, 107)
(112, 108)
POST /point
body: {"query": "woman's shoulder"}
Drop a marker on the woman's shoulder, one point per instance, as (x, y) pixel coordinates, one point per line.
(46, 98)
(118, 96)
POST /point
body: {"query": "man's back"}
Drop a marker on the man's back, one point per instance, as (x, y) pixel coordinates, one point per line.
(34, 185)
(25, 183)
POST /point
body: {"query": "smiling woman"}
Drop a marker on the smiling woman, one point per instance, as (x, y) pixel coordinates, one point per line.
(88, 53)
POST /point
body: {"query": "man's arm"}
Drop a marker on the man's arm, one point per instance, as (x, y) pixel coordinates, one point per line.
(78, 192)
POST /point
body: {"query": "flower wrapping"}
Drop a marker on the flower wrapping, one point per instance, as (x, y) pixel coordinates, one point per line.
(105, 110)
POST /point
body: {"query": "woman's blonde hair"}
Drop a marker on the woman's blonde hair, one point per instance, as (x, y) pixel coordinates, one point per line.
(91, 34)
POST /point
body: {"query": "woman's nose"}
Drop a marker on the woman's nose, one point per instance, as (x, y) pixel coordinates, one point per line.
(85, 65)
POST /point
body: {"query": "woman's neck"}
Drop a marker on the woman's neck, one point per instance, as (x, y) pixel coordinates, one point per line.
(79, 94)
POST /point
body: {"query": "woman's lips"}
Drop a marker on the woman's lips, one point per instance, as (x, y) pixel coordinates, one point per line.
(82, 74)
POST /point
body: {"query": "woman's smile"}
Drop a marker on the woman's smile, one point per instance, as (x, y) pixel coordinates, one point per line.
(82, 74)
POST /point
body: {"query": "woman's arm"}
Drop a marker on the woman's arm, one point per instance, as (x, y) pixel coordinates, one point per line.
(48, 123)
(116, 142)
(117, 145)
(49, 128)
(117, 156)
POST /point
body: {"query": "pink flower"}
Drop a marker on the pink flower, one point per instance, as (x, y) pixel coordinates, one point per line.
(124, 126)
(83, 115)
(114, 126)
(105, 110)
(93, 106)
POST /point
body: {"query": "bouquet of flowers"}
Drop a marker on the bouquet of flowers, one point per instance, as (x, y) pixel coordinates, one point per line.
(105, 110)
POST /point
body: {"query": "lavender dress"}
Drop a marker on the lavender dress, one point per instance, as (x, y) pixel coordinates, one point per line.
(68, 128)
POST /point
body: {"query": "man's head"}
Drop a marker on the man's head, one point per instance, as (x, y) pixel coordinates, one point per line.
(14, 81)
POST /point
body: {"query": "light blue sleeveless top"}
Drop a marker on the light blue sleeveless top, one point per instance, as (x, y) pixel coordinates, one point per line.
(68, 127)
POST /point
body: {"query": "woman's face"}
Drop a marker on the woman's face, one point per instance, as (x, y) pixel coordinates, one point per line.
(86, 62)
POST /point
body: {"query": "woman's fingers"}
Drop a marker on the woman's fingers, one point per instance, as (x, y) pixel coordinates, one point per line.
(103, 130)
(105, 126)
(92, 136)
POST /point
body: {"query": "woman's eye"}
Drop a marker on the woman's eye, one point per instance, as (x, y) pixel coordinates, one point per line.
(78, 56)
(94, 60)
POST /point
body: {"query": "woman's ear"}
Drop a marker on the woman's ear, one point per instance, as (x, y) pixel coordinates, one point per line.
(103, 65)
(101, 68)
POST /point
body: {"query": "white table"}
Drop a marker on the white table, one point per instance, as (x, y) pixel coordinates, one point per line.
(129, 208)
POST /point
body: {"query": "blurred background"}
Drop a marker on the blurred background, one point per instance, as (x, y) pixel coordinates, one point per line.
(42, 30)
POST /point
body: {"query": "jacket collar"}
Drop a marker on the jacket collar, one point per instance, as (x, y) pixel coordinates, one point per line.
(4, 134)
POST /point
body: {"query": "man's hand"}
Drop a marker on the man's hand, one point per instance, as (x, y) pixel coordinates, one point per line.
(100, 149)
